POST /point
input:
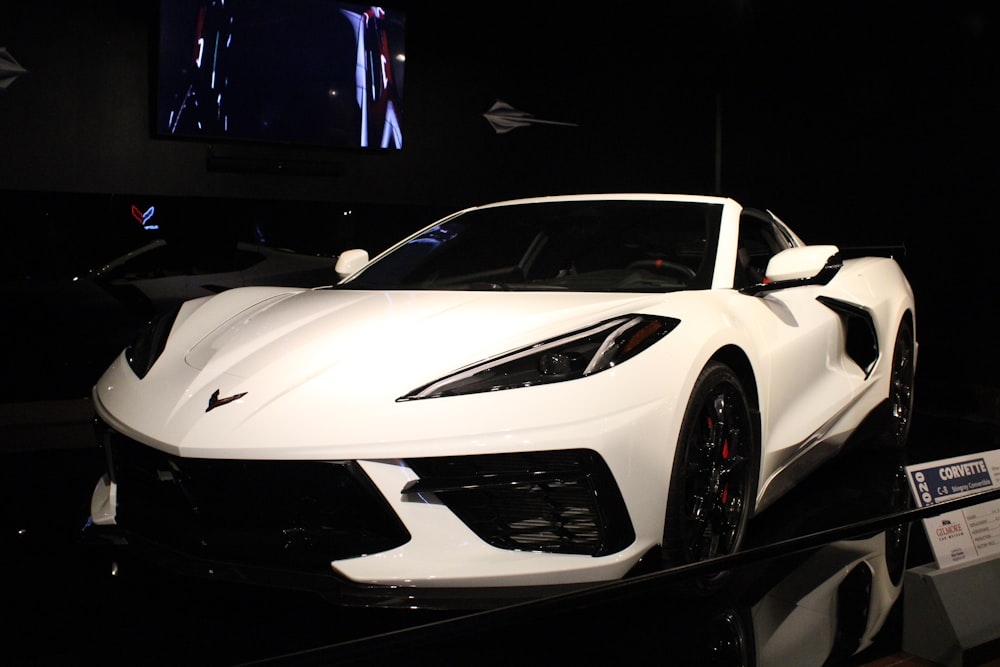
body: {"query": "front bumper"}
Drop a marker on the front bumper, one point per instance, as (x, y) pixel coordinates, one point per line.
(380, 531)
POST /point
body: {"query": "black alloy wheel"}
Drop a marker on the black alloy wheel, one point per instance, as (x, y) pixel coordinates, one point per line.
(727, 641)
(897, 538)
(714, 478)
(901, 381)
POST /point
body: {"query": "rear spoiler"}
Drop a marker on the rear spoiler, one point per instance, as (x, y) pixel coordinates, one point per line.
(893, 251)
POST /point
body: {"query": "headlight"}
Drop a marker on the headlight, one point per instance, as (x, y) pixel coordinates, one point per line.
(147, 346)
(568, 357)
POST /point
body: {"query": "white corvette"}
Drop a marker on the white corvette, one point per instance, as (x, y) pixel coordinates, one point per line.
(524, 395)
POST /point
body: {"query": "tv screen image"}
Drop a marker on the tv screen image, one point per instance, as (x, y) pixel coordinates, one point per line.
(308, 72)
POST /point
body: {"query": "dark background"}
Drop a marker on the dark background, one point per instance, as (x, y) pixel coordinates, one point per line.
(857, 122)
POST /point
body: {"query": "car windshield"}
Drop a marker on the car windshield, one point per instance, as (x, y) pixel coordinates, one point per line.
(582, 246)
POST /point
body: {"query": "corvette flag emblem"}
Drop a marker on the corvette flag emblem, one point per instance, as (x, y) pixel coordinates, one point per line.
(215, 401)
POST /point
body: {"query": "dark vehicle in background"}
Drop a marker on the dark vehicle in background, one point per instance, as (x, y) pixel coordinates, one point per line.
(63, 331)
(160, 275)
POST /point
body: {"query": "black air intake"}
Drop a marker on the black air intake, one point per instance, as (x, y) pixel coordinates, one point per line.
(299, 514)
(563, 501)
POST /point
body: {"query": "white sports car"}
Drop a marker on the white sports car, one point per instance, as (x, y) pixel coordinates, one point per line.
(520, 397)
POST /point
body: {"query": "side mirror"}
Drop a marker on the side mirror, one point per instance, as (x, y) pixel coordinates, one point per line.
(350, 261)
(798, 263)
(793, 267)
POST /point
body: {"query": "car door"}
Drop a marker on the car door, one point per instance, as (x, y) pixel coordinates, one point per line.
(807, 383)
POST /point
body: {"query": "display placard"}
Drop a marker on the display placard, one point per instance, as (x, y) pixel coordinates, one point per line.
(971, 532)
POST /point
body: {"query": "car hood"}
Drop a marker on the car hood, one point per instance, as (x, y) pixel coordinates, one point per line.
(358, 335)
(297, 358)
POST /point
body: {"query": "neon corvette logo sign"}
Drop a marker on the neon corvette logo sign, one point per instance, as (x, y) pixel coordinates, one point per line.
(144, 217)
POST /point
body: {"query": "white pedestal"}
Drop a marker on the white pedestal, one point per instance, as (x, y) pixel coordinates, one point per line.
(951, 616)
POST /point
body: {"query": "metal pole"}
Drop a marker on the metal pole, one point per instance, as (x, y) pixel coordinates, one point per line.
(718, 143)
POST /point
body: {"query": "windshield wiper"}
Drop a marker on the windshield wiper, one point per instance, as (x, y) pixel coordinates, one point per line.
(487, 286)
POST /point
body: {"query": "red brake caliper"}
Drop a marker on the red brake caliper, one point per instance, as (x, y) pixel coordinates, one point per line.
(725, 455)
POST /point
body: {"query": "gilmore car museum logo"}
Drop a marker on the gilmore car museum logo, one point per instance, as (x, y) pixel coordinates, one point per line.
(939, 483)
(215, 401)
(949, 529)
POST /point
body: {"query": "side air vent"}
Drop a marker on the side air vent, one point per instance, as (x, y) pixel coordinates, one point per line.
(861, 340)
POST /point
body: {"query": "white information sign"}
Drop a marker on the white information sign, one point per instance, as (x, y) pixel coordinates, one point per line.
(965, 534)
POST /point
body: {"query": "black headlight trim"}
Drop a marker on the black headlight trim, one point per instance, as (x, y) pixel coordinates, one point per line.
(571, 356)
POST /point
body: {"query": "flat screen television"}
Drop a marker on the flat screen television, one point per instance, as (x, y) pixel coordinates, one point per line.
(304, 72)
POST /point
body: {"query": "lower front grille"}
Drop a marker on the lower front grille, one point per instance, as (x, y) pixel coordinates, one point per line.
(299, 514)
(563, 501)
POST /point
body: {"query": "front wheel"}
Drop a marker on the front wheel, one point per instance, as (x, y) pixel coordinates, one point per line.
(901, 381)
(714, 477)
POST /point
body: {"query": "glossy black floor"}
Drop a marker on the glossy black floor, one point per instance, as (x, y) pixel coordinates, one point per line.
(66, 603)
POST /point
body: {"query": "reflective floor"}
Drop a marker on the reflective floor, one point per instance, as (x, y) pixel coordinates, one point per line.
(820, 583)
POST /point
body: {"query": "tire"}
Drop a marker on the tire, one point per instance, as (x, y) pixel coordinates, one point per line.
(901, 380)
(897, 547)
(726, 639)
(713, 483)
